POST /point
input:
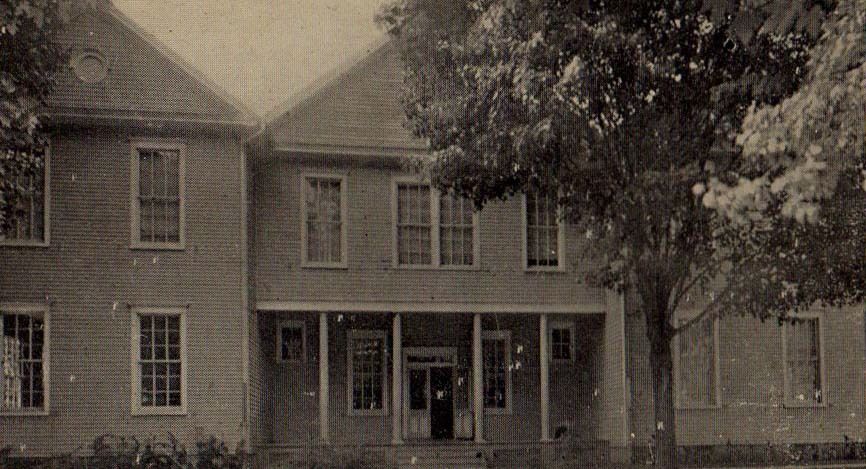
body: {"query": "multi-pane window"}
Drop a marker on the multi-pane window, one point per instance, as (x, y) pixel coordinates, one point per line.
(367, 371)
(456, 230)
(160, 362)
(28, 220)
(292, 341)
(433, 228)
(324, 230)
(414, 239)
(543, 238)
(158, 183)
(562, 341)
(23, 361)
(496, 353)
(803, 362)
(696, 384)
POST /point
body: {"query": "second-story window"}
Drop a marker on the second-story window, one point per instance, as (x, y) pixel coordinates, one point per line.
(158, 203)
(324, 231)
(28, 223)
(434, 228)
(414, 227)
(543, 232)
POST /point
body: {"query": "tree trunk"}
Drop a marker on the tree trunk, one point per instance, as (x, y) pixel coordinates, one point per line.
(661, 361)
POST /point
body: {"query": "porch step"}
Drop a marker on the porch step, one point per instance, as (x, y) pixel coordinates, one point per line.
(441, 457)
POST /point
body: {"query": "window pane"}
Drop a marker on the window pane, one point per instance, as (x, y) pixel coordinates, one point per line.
(160, 366)
(542, 231)
(27, 217)
(324, 222)
(367, 373)
(23, 370)
(455, 230)
(159, 195)
(495, 368)
(804, 361)
(414, 241)
(697, 366)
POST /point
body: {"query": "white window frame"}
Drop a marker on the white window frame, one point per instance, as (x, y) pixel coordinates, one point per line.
(561, 324)
(509, 391)
(136, 145)
(351, 335)
(344, 220)
(297, 324)
(435, 230)
(788, 399)
(135, 355)
(43, 312)
(717, 397)
(560, 240)
(46, 192)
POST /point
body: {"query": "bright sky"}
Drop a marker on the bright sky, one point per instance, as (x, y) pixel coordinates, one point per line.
(260, 50)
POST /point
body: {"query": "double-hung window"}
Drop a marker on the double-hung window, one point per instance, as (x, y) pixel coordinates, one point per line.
(29, 219)
(697, 366)
(159, 361)
(544, 233)
(323, 235)
(24, 360)
(804, 374)
(432, 228)
(366, 368)
(292, 341)
(157, 194)
(562, 341)
(496, 353)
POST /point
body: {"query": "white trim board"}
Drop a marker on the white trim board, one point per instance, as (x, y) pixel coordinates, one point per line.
(420, 307)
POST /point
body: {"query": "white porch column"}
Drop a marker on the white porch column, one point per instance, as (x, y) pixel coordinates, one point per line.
(477, 379)
(544, 366)
(324, 365)
(397, 380)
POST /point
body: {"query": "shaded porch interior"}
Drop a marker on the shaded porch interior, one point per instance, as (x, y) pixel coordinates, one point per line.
(436, 380)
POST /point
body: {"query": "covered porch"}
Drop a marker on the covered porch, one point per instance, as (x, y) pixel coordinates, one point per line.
(414, 379)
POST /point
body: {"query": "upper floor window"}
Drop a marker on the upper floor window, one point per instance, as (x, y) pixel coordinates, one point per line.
(366, 368)
(543, 232)
(804, 373)
(324, 213)
(28, 223)
(158, 195)
(24, 360)
(434, 228)
(159, 351)
(562, 341)
(496, 353)
(697, 365)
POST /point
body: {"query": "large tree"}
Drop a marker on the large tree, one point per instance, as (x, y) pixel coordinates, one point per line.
(30, 58)
(624, 110)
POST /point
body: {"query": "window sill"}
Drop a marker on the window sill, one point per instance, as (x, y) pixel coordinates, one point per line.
(443, 268)
(24, 244)
(24, 413)
(169, 411)
(324, 265)
(368, 413)
(496, 411)
(158, 246)
(545, 270)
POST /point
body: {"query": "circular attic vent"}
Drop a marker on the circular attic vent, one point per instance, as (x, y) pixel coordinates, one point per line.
(90, 67)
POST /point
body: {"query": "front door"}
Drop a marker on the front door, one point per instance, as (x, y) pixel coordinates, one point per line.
(441, 402)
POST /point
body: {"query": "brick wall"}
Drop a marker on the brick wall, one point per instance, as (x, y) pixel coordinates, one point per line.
(89, 267)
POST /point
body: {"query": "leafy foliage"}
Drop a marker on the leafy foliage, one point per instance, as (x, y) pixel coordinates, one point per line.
(625, 109)
(30, 59)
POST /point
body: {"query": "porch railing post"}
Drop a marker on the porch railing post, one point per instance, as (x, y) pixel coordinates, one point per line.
(544, 367)
(477, 379)
(324, 365)
(397, 379)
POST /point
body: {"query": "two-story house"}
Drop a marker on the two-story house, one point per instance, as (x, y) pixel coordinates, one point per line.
(300, 287)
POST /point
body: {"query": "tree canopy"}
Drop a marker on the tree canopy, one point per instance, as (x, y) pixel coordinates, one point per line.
(633, 114)
(30, 59)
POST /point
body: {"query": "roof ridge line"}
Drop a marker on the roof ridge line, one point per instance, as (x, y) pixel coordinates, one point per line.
(247, 115)
(327, 79)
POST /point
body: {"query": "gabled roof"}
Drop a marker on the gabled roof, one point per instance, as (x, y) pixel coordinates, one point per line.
(356, 108)
(144, 80)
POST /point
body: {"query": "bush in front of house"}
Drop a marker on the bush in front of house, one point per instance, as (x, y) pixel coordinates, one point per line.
(114, 452)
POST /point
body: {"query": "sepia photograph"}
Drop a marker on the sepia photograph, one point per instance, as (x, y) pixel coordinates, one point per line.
(432, 234)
